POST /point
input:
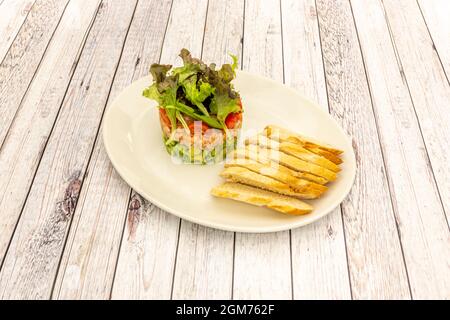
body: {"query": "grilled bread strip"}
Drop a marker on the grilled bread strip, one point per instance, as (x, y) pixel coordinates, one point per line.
(248, 177)
(294, 163)
(330, 156)
(284, 135)
(261, 198)
(308, 176)
(308, 189)
(293, 149)
(264, 159)
(321, 152)
(288, 135)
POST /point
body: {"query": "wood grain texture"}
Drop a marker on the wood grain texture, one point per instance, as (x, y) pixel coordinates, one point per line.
(436, 13)
(156, 239)
(428, 86)
(32, 259)
(204, 268)
(204, 263)
(12, 15)
(71, 228)
(421, 220)
(105, 196)
(262, 268)
(147, 255)
(374, 251)
(319, 262)
(24, 56)
(27, 137)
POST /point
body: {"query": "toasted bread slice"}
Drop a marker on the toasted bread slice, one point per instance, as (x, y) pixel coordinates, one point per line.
(308, 189)
(293, 162)
(261, 198)
(324, 153)
(293, 149)
(309, 176)
(248, 177)
(290, 136)
(302, 153)
(262, 158)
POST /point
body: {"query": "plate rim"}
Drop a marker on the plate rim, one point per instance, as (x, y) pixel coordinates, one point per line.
(217, 225)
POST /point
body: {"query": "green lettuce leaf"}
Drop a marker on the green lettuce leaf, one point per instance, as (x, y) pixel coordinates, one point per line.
(226, 73)
(164, 92)
(152, 93)
(185, 72)
(212, 122)
(197, 95)
(172, 115)
(234, 66)
(180, 118)
(223, 105)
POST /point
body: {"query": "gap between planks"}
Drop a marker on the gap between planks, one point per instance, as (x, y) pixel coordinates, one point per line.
(13, 15)
(116, 194)
(26, 188)
(42, 251)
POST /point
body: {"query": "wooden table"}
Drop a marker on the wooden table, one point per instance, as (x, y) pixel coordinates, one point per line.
(71, 228)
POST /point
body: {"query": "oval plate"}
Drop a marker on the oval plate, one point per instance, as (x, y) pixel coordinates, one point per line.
(133, 141)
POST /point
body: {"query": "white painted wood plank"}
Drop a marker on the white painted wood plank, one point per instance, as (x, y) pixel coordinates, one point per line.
(436, 13)
(26, 140)
(428, 86)
(152, 249)
(147, 255)
(421, 220)
(12, 15)
(104, 198)
(204, 268)
(185, 29)
(374, 251)
(33, 257)
(204, 263)
(223, 31)
(319, 259)
(262, 268)
(22, 60)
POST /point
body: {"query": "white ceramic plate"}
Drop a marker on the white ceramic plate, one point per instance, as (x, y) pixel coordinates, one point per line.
(133, 141)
